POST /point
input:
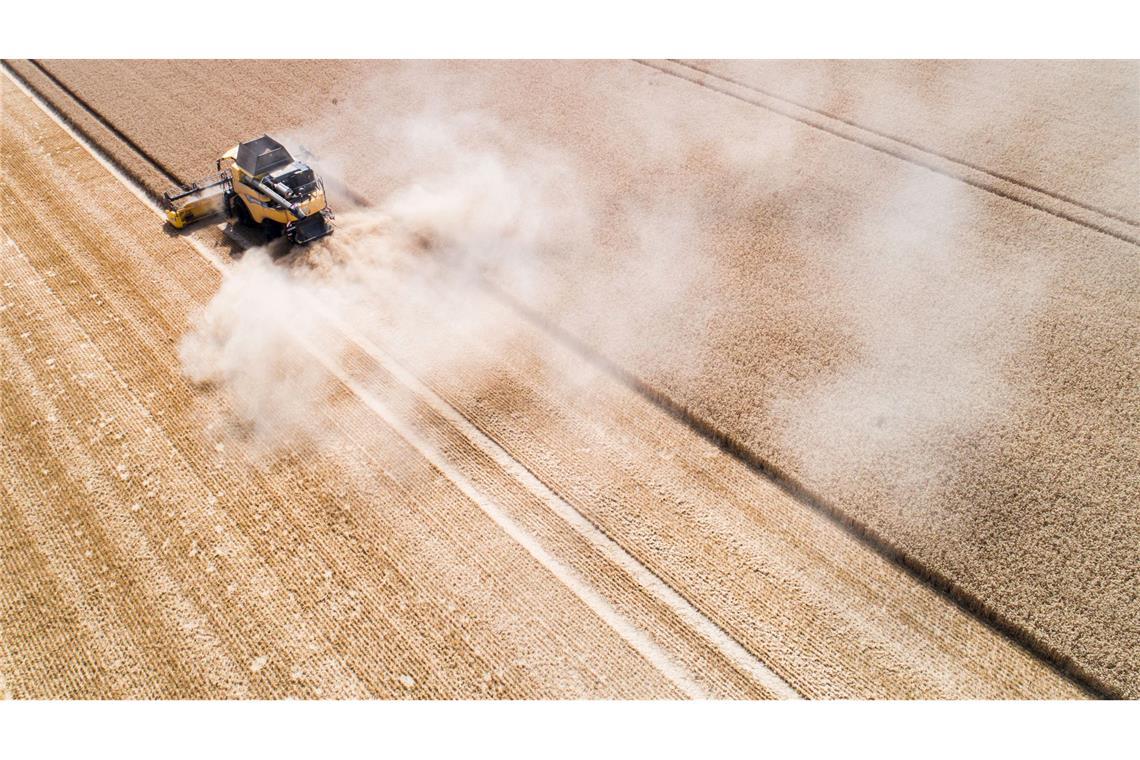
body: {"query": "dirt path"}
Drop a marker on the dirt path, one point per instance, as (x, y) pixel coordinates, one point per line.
(524, 528)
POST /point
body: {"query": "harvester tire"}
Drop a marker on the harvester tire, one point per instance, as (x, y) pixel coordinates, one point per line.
(271, 229)
(240, 212)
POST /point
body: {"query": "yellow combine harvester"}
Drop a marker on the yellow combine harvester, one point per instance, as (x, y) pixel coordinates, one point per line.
(260, 184)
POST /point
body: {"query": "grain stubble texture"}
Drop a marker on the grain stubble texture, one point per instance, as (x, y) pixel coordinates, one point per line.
(191, 571)
(146, 558)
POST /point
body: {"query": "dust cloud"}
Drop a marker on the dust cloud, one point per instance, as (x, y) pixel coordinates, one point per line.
(466, 204)
(931, 326)
(460, 200)
(247, 343)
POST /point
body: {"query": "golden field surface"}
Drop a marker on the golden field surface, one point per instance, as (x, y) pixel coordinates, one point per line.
(674, 452)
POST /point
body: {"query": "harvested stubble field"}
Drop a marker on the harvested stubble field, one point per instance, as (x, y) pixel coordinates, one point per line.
(992, 447)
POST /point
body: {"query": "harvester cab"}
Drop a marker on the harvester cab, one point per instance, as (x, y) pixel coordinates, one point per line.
(258, 183)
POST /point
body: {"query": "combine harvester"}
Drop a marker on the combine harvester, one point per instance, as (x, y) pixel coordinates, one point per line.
(260, 184)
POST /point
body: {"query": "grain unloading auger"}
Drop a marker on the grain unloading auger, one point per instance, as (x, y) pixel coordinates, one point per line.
(260, 184)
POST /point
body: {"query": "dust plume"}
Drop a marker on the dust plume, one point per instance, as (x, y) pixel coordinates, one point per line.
(461, 205)
(460, 200)
(382, 268)
(247, 342)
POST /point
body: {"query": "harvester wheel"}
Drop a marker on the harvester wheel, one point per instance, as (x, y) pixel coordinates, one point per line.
(237, 206)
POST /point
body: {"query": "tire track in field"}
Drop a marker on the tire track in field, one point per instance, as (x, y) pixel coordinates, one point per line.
(423, 391)
(1049, 202)
(98, 139)
(839, 621)
(571, 579)
(731, 649)
(910, 144)
(871, 539)
(717, 675)
(670, 598)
